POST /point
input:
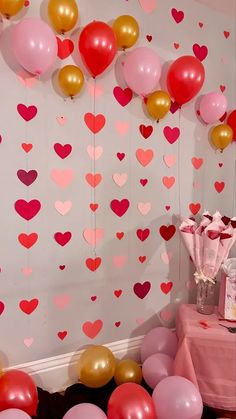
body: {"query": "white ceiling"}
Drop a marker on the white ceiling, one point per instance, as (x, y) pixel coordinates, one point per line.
(227, 7)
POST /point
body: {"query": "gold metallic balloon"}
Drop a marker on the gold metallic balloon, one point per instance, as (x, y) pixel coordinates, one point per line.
(158, 104)
(126, 29)
(71, 80)
(10, 8)
(96, 366)
(221, 136)
(63, 14)
(128, 371)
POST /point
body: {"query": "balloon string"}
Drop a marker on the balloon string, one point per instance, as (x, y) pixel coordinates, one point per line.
(94, 165)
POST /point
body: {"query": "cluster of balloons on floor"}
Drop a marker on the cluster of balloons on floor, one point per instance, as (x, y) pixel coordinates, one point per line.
(35, 48)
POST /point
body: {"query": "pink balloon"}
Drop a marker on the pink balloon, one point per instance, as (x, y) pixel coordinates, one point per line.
(13, 414)
(159, 340)
(142, 70)
(178, 398)
(85, 411)
(34, 45)
(156, 368)
(212, 107)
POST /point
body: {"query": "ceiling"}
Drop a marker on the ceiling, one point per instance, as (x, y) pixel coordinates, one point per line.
(227, 7)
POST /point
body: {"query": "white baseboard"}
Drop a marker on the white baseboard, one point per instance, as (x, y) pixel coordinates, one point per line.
(59, 372)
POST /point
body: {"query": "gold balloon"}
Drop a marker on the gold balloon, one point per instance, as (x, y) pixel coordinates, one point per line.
(221, 136)
(126, 29)
(128, 371)
(63, 14)
(96, 366)
(71, 80)
(158, 104)
(10, 8)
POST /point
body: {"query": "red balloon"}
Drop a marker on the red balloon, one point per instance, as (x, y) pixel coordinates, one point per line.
(18, 391)
(97, 46)
(185, 78)
(130, 400)
(231, 121)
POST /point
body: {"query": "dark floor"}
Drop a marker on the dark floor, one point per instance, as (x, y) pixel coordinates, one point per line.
(54, 406)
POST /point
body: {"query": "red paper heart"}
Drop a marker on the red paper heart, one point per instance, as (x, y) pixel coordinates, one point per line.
(27, 112)
(93, 298)
(200, 52)
(117, 324)
(65, 48)
(149, 38)
(27, 210)
(178, 15)
(123, 96)
(197, 162)
(93, 179)
(171, 134)
(167, 232)
(94, 122)
(166, 287)
(176, 45)
(27, 147)
(194, 208)
(2, 307)
(62, 267)
(222, 88)
(143, 234)
(226, 34)
(27, 177)
(142, 259)
(119, 207)
(167, 207)
(200, 24)
(118, 293)
(29, 306)
(219, 186)
(91, 329)
(0, 139)
(62, 335)
(93, 264)
(93, 207)
(62, 150)
(220, 164)
(62, 238)
(143, 181)
(146, 130)
(121, 156)
(28, 240)
(174, 107)
(141, 290)
(120, 235)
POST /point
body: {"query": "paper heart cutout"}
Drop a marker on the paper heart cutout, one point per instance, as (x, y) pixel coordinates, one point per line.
(194, 208)
(28, 306)
(166, 287)
(93, 298)
(226, 34)
(169, 160)
(119, 261)
(222, 88)
(144, 207)
(142, 259)
(219, 186)
(93, 235)
(65, 48)
(93, 264)
(27, 271)
(62, 335)
(123, 96)
(168, 182)
(93, 206)
(166, 257)
(120, 235)
(148, 5)
(144, 156)
(62, 238)
(94, 152)
(28, 342)
(94, 122)
(118, 293)
(120, 156)
(120, 207)
(178, 15)
(28, 240)
(27, 210)
(62, 267)
(120, 179)
(62, 151)
(92, 329)
(27, 147)
(200, 52)
(167, 232)
(93, 179)
(171, 134)
(117, 324)
(141, 290)
(167, 207)
(2, 307)
(62, 177)
(149, 38)
(27, 177)
(143, 182)
(63, 207)
(146, 130)
(61, 301)
(27, 112)
(62, 120)
(200, 24)
(122, 127)
(176, 45)
(174, 107)
(143, 234)
(197, 162)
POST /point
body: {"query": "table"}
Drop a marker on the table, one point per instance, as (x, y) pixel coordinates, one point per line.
(207, 356)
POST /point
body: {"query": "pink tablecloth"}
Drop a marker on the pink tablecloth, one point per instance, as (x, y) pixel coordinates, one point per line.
(207, 357)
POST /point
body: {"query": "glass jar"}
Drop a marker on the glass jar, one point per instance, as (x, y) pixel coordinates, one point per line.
(205, 297)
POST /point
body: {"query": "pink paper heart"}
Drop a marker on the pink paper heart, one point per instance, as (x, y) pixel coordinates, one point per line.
(63, 207)
(28, 342)
(93, 235)
(122, 127)
(148, 5)
(92, 329)
(94, 152)
(120, 179)
(62, 177)
(62, 120)
(169, 160)
(168, 182)
(27, 271)
(144, 156)
(144, 208)
(61, 301)
(119, 261)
